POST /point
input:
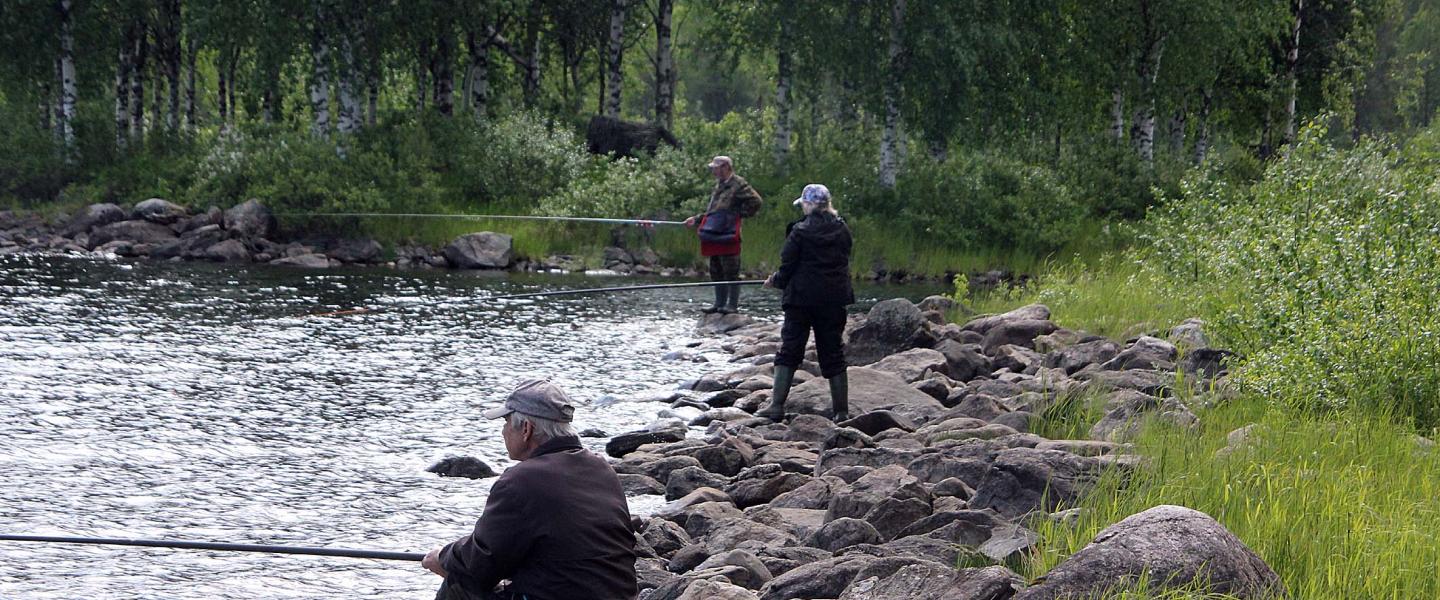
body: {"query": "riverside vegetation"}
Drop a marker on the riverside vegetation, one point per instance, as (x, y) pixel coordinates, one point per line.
(1322, 276)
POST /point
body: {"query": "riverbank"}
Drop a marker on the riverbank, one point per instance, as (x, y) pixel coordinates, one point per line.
(948, 463)
(252, 233)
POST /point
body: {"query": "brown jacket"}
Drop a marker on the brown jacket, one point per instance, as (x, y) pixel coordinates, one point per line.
(556, 525)
(733, 194)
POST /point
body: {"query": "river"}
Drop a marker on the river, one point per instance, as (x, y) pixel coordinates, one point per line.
(199, 402)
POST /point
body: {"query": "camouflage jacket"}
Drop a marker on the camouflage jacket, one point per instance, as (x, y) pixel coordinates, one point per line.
(734, 194)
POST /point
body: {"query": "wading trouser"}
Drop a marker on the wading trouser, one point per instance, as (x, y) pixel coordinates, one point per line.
(828, 322)
(726, 268)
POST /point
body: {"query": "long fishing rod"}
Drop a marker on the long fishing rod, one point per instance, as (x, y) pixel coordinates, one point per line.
(640, 222)
(187, 545)
(628, 288)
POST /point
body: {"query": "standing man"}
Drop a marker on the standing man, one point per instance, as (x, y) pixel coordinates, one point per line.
(556, 526)
(719, 229)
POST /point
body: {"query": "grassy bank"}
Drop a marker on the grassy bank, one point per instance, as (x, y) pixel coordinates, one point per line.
(1321, 274)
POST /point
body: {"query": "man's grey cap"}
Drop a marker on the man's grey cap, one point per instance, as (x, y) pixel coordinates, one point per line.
(536, 398)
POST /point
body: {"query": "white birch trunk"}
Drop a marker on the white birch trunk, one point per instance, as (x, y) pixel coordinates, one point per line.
(782, 94)
(1202, 128)
(1117, 115)
(444, 71)
(664, 66)
(122, 90)
(172, 64)
(1147, 70)
(890, 138)
(615, 74)
(1292, 61)
(319, 75)
(67, 80)
(350, 117)
(191, 48)
(137, 84)
(478, 95)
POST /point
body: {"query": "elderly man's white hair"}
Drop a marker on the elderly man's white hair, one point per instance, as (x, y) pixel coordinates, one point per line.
(545, 429)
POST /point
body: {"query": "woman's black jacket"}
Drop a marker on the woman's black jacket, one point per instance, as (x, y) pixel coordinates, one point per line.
(815, 262)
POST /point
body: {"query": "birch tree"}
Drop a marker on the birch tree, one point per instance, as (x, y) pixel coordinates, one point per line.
(68, 97)
(664, 65)
(890, 137)
(614, 58)
(319, 73)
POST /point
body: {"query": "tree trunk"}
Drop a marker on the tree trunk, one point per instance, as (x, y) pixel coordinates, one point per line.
(67, 80)
(1147, 70)
(664, 65)
(530, 84)
(615, 76)
(422, 76)
(137, 84)
(47, 101)
(350, 117)
(443, 68)
(479, 89)
(222, 97)
(372, 84)
(319, 74)
(1202, 128)
(1177, 131)
(890, 139)
(1117, 114)
(230, 91)
(122, 88)
(1292, 61)
(171, 49)
(191, 47)
(782, 93)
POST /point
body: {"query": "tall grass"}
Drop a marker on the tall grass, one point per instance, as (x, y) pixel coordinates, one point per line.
(1340, 507)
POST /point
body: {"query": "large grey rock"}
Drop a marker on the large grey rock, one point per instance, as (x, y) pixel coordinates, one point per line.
(814, 494)
(892, 515)
(1146, 353)
(95, 215)
(1154, 383)
(741, 533)
(686, 480)
(192, 244)
(964, 361)
(703, 589)
(937, 581)
(870, 389)
(799, 522)
(251, 219)
(1123, 422)
(1021, 480)
(356, 251)
(156, 210)
(308, 261)
(912, 364)
(749, 491)
(212, 216)
(820, 579)
(1172, 547)
(1074, 358)
(983, 325)
(873, 488)
(843, 533)
(483, 250)
(626, 443)
(874, 422)
(135, 231)
(1019, 333)
(891, 326)
(1189, 335)
(228, 251)
(755, 575)
(665, 536)
(468, 467)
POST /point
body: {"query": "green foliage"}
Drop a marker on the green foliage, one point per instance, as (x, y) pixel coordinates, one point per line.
(632, 186)
(981, 200)
(1323, 273)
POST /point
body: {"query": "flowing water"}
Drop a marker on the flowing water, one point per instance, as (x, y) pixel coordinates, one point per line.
(197, 402)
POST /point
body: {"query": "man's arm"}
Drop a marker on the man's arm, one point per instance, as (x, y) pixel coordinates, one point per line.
(503, 536)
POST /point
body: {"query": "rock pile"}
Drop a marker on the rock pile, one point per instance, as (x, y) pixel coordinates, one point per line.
(937, 468)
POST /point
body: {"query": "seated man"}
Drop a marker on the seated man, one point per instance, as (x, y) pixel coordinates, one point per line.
(556, 525)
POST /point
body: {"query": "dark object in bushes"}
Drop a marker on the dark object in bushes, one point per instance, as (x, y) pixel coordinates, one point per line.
(606, 135)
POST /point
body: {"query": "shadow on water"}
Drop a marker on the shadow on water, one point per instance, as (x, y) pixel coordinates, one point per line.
(193, 401)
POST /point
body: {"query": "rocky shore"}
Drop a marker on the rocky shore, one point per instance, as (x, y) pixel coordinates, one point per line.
(249, 233)
(936, 486)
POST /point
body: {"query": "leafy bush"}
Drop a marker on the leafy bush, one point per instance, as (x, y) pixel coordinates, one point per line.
(979, 200)
(632, 187)
(1324, 273)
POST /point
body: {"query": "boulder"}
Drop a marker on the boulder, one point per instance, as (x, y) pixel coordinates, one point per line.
(483, 250)
(228, 251)
(1123, 422)
(684, 481)
(892, 515)
(870, 389)
(891, 326)
(1189, 335)
(159, 211)
(1017, 359)
(1170, 547)
(826, 578)
(1154, 383)
(95, 215)
(755, 573)
(626, 443)
(872, 489)
(1021, 480)
(814, 494)
(212, 216)
(937, 581)
(1205, 362)
(704, 589)
(911, 365)
(874, 422)
(468, 467)
(1074, 358)
(308, 261)
(665, 536)
(983, 325)
(1146, 353)
(749, 490)
(741, 533)
(356, 251)
(251, 219)
(192, 244)
(964, 361)
(1020, 332)
(842, 533)
(799, 522)
(640, 485)
(134, 231)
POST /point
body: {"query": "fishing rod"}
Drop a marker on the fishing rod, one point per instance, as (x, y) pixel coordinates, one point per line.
(187, 545)
(628, 288)
(640, 222)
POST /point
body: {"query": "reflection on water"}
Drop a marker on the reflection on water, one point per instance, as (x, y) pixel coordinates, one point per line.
(192, 402)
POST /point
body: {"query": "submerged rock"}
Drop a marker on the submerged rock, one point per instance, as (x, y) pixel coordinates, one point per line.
(468, 467)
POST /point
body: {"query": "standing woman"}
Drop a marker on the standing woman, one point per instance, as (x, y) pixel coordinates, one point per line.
(815, 276)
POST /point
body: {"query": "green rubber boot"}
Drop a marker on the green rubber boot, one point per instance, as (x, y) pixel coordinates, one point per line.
(732, 300)
(720, 298)
(840, 397)
(776, 411)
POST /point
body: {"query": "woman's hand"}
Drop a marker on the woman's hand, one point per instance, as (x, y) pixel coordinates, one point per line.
(432, 562)
(770, 282)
